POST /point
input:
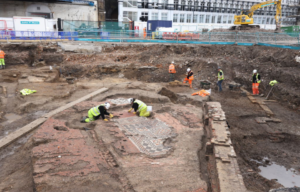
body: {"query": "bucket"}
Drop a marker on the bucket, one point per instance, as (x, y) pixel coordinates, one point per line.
(149, 108)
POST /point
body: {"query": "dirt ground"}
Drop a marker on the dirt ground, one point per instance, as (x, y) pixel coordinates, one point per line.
(74, 75)
(253, 142)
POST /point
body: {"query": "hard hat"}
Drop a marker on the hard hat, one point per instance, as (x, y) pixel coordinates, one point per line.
(130, 100)
(173, 62)
(107, 105)
(254, 71)
(219, 67)
(188, 69)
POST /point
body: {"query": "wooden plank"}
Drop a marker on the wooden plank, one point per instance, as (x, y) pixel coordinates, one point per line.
(245, 91)
(266, 109)
(252, 99)
(31, 126)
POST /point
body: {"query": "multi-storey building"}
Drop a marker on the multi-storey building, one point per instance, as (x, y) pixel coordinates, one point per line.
(85, 10)
(211, 13)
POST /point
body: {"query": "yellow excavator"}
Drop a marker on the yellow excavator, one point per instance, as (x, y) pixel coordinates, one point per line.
(245, 19)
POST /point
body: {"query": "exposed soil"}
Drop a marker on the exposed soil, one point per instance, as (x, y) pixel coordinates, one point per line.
(76, 74)
(253, 142)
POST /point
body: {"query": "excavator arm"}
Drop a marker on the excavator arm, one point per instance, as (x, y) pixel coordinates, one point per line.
(267, 4)
(246, 16)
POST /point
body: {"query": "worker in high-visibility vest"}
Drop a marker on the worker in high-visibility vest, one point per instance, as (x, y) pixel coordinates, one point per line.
(145, 32)
(172, 71)
(189, 77)
(138, 106)
(220, 78)
(95, 112)
(255, 82)
(2, 63)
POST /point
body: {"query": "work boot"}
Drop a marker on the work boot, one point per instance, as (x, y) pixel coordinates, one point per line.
(3, 66)
(0, 66)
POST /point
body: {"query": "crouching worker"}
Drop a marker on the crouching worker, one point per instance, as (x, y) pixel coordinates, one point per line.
(189, 77)
(95, 112)
(139, 106)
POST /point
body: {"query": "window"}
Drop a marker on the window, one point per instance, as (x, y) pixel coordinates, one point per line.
(195, 18)
(182, 4)
(144, 16)
(164, 16)
(255, 20)
(213, 19)
(263, 21)
(175, 4)
(201, 19)
(175, 18)
(154, 16)
(272, 21)
(181, 18)
(230, 18)
(268, 21)
(225, 19)
(130, 15)
(165, 4)
(259, 20)
(207, 18)
(219, 19)
(155, 4)
(130, 3)
(189, 18)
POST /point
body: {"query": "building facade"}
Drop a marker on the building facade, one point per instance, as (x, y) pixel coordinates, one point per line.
(209, 13)
(64, 9)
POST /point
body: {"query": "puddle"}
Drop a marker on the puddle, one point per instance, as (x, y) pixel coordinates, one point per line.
(11, 117)
(287, 178)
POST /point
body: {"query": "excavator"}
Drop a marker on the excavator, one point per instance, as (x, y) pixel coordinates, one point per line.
(244, 20)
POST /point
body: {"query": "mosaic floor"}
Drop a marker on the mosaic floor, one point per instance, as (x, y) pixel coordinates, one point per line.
(148, 135)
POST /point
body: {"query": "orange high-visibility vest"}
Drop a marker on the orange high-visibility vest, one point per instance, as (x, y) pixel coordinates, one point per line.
(145, 32)
(172, 68)
(2, 54)
(191, 77)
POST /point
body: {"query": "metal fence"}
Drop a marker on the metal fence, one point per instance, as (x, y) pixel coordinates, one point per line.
(287, 39)
(71, 25)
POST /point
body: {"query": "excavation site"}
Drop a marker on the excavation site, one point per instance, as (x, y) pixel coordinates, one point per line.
(182, 137)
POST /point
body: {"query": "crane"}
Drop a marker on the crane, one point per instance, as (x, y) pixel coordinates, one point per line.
(246, 16)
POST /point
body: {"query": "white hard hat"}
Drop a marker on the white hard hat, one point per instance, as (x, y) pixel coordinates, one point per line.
(107, 105)
(254, 71)
(188, 69)
(173, 62)
(130, 100)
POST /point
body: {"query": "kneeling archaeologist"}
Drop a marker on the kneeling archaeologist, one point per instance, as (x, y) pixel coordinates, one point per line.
(95, 112)
(138, 106)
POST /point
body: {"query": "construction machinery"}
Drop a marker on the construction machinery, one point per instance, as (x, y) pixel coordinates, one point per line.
(245, 19)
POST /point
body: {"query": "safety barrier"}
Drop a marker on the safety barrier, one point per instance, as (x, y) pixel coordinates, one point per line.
(282, 40)
(38, 35)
